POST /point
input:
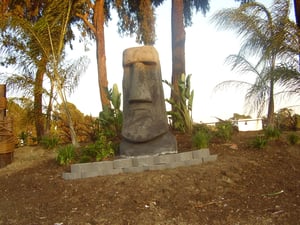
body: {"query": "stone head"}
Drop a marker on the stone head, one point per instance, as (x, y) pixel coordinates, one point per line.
(143, 98)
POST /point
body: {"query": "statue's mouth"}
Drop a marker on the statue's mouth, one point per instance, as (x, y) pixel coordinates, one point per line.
(145, 107)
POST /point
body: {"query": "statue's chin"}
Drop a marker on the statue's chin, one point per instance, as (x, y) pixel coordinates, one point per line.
(143, 130)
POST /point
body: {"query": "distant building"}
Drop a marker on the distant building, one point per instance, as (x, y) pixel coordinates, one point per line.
(249, 124)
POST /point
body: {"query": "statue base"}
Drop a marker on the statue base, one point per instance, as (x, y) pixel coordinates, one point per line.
(163, 144)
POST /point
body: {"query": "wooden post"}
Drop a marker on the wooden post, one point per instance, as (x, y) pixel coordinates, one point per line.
(2, 101)
(6, 134)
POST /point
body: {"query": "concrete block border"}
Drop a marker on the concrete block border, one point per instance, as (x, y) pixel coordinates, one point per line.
(139, 164)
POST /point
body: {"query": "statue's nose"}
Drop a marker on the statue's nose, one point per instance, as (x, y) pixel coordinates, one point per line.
(139, 88)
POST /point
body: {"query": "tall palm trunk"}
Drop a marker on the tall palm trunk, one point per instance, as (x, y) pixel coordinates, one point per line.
(38, 102)
(99, 19)
(178, 47)
(271, 108)
(270, 114)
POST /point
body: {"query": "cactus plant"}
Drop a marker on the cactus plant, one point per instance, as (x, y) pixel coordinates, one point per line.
(182, 115)
(111, 118)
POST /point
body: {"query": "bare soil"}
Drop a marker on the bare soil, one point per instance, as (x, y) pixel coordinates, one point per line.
(244, 186)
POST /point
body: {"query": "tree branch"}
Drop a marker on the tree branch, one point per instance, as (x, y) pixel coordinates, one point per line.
(86, 21)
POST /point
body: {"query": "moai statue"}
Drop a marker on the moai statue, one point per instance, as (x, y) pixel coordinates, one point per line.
(145, 128)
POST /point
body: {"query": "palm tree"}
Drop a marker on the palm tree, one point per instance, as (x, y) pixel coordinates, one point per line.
(290, 78)
(57, 31)
(41, 48)
(258, 93)
(136, 17)
(268, 35)
(20, 39)
(21, 52)
(181, 16)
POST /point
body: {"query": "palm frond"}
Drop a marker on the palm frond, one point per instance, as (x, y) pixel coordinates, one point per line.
(229, 84)
(241, 64)
(72, 73)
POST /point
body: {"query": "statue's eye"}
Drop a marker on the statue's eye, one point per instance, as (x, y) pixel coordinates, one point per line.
(149, 63)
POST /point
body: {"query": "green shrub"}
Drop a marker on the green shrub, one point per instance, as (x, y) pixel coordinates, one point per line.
(272, 133)
(224, 130)
(293, 139)
(202, 127)
(98, 151)
(65, 154)
(201, 139)
(259, 142)
(85, 159)
(49, 142)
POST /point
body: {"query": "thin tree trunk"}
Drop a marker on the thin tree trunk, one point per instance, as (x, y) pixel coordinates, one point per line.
(270, 116)
(69, 118)
(99, 19)
(297, 17)
(271, 107)
(49, 110)
(297, 12)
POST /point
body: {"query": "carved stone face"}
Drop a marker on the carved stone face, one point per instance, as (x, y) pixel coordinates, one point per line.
(143, 99)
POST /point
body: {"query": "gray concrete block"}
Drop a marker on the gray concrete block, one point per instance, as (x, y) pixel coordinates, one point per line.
(139, 164)
(93, 173)
(156, 167)
(176, 164)
(193, 162)
(122, 163)
(71, 176)
(103, 165)
(93, 168)
(167, 158)
(142, 161)
(135, 169)
(103, 172)
(199, 154)
(184, 156)
(76, 168)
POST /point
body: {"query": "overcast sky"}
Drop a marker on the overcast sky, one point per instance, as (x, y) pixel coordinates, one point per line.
(206, 50)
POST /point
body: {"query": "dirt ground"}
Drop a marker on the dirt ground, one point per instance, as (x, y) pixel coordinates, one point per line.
(244, 186)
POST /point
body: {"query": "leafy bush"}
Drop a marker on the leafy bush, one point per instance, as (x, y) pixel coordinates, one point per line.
(65, 154)
(201, 139)
(224, 130)
(272, 133)
(293, 138)
(101, 149)
(259, 142)
(202, 136)
(49, 142)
